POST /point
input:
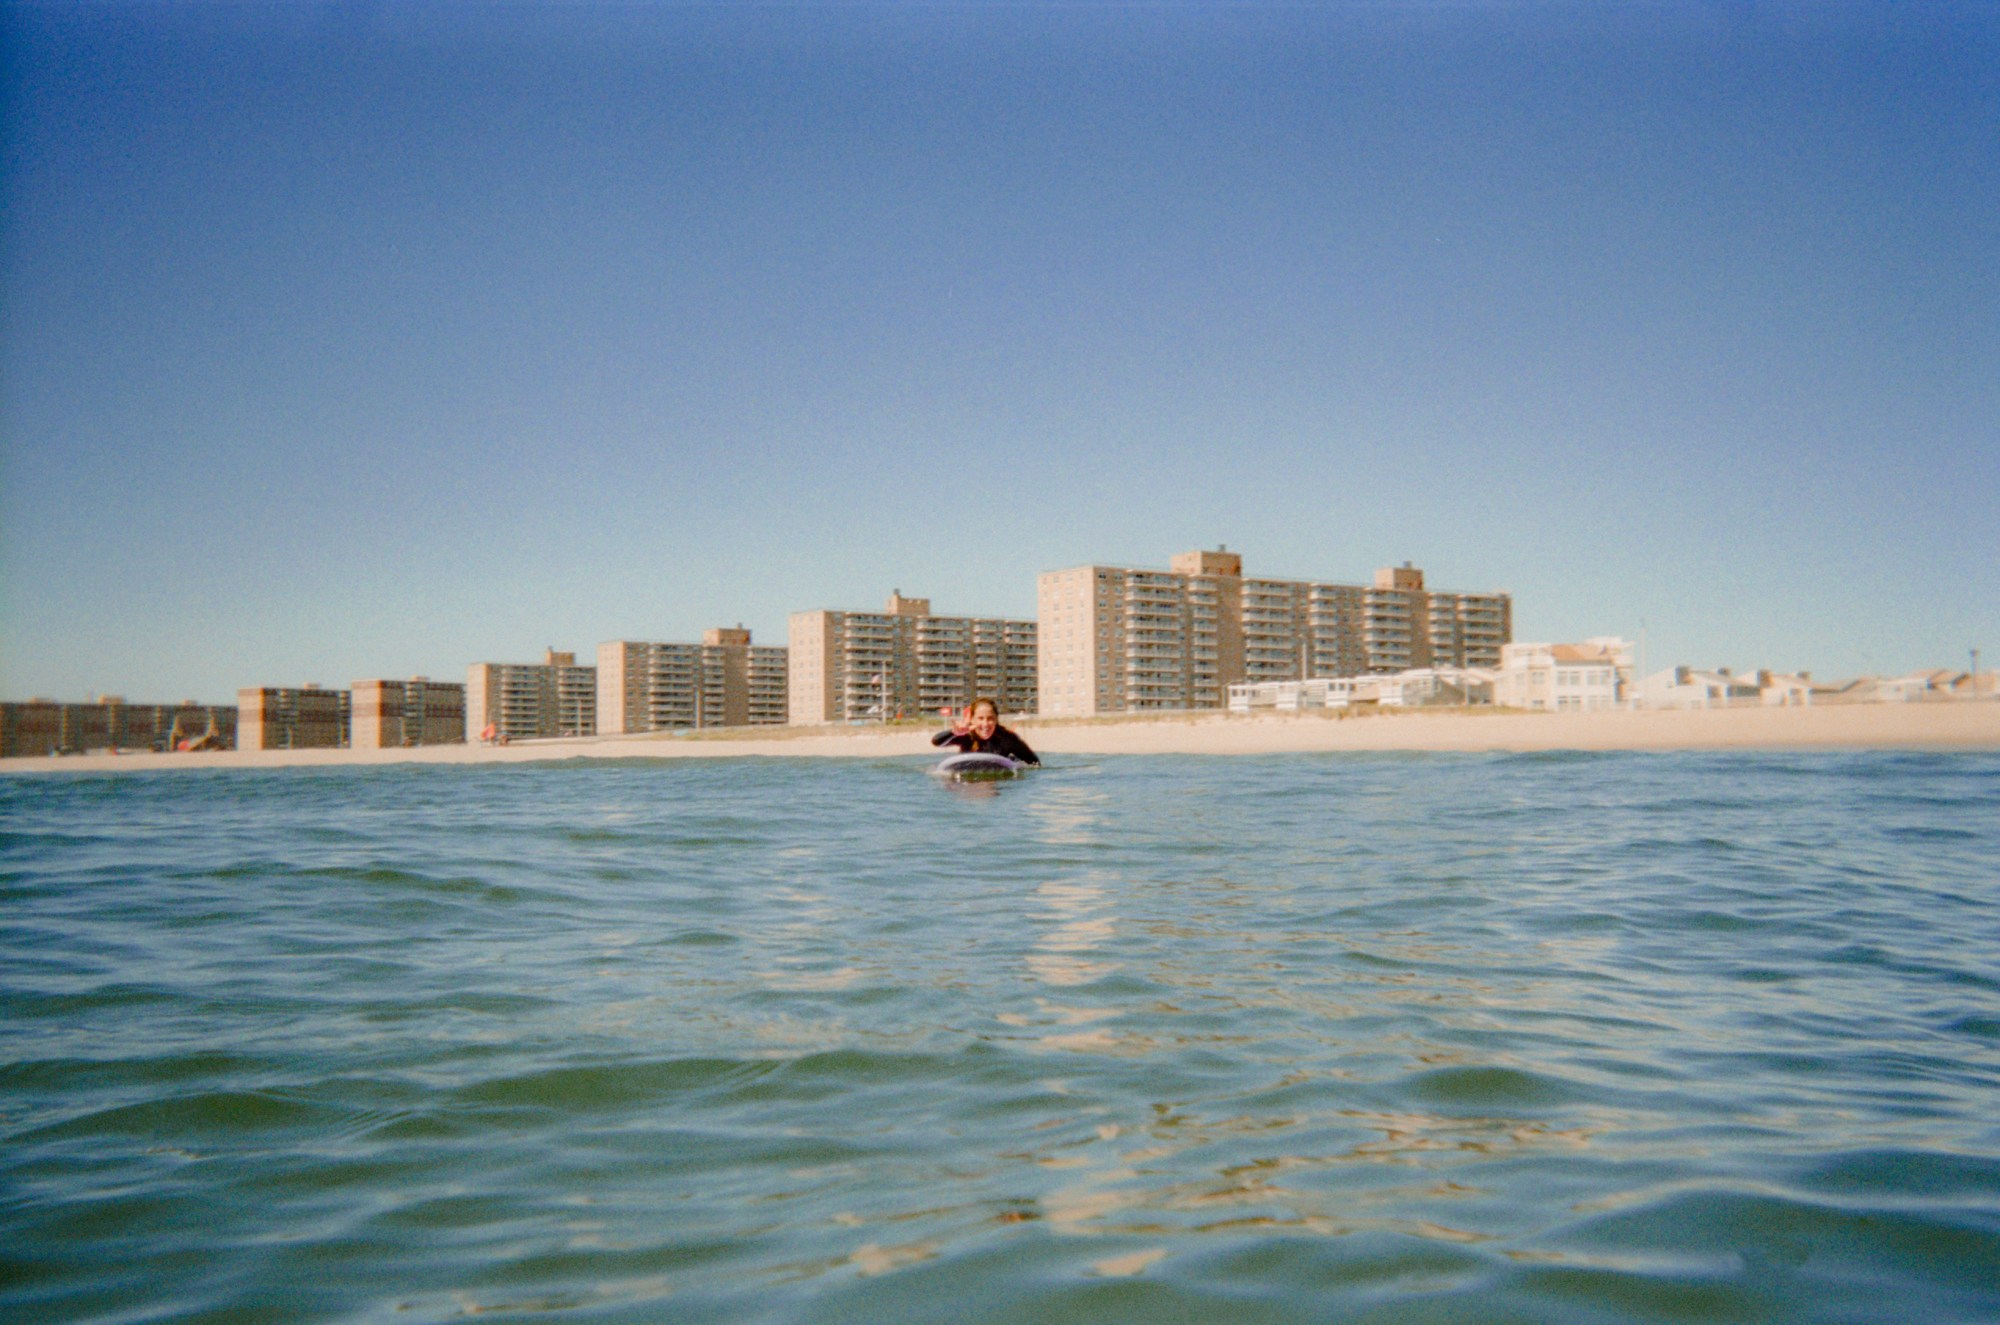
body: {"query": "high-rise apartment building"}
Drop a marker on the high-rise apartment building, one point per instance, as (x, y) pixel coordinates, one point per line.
(1118, 639)
(308, 717)
(389, 715)
(724, 681)
(521, 701)
(857, 666)
(43, 726)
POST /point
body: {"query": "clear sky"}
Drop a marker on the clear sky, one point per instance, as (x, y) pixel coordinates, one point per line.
(375, 340)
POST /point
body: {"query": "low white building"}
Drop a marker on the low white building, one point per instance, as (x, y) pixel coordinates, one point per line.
(1289, 696)
(1696, 688)
(1421, 685)
(1436, 685)
(1565, 678)
(1933, 683)
(1787, 689)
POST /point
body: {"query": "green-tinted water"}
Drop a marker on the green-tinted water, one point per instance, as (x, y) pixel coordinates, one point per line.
(1423, 1038)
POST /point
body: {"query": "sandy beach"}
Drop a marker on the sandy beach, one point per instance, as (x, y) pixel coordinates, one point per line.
(1943, 726)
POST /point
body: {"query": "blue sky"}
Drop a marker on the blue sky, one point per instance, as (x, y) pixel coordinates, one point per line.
(350, 341)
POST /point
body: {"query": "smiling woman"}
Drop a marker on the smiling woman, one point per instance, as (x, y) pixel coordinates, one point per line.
(978, 732)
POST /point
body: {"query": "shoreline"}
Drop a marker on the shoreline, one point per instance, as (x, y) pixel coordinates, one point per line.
(1937, 726)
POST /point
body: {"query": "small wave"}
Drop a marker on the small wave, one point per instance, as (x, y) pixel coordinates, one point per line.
(1921, 1175)
(702, 938)
(1716, 922)
(1929, 833)
(101, 998)
(389, 877)
(607, 1085)
(1487, 1088)
(49, 842)
(214, 1116)
(1676, 846)
(1976, 1025)
(867, 1066)
(1731, 1230)
(1765, 975)
(71, 1073)
(1557, 758)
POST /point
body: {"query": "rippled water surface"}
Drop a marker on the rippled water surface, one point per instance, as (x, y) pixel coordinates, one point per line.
(1359, 1038)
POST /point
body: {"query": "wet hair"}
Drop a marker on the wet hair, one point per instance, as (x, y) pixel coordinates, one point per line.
(973, 708)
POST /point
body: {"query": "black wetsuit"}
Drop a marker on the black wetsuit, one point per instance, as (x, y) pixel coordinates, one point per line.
(1004, 742)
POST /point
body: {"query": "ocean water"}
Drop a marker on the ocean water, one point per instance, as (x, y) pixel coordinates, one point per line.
(1423, 1038)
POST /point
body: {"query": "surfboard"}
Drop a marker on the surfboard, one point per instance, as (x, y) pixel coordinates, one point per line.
(966, 767)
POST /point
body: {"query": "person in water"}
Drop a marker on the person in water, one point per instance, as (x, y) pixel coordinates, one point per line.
(979, 732)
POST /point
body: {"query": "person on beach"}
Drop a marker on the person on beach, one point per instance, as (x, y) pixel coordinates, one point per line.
(978, 731)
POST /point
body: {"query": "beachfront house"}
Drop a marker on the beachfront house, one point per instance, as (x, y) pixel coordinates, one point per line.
(1587, 677)
(1696, 688)
(1935, 683)
(1423, 686)
(1415, 687)
(1790, 689)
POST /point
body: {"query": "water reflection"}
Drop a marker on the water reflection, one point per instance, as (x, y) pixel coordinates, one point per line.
(1124, 1191)
(796, 960)
(974, 790)
(1079, 921)
(1075, 912)
(1071, 814)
